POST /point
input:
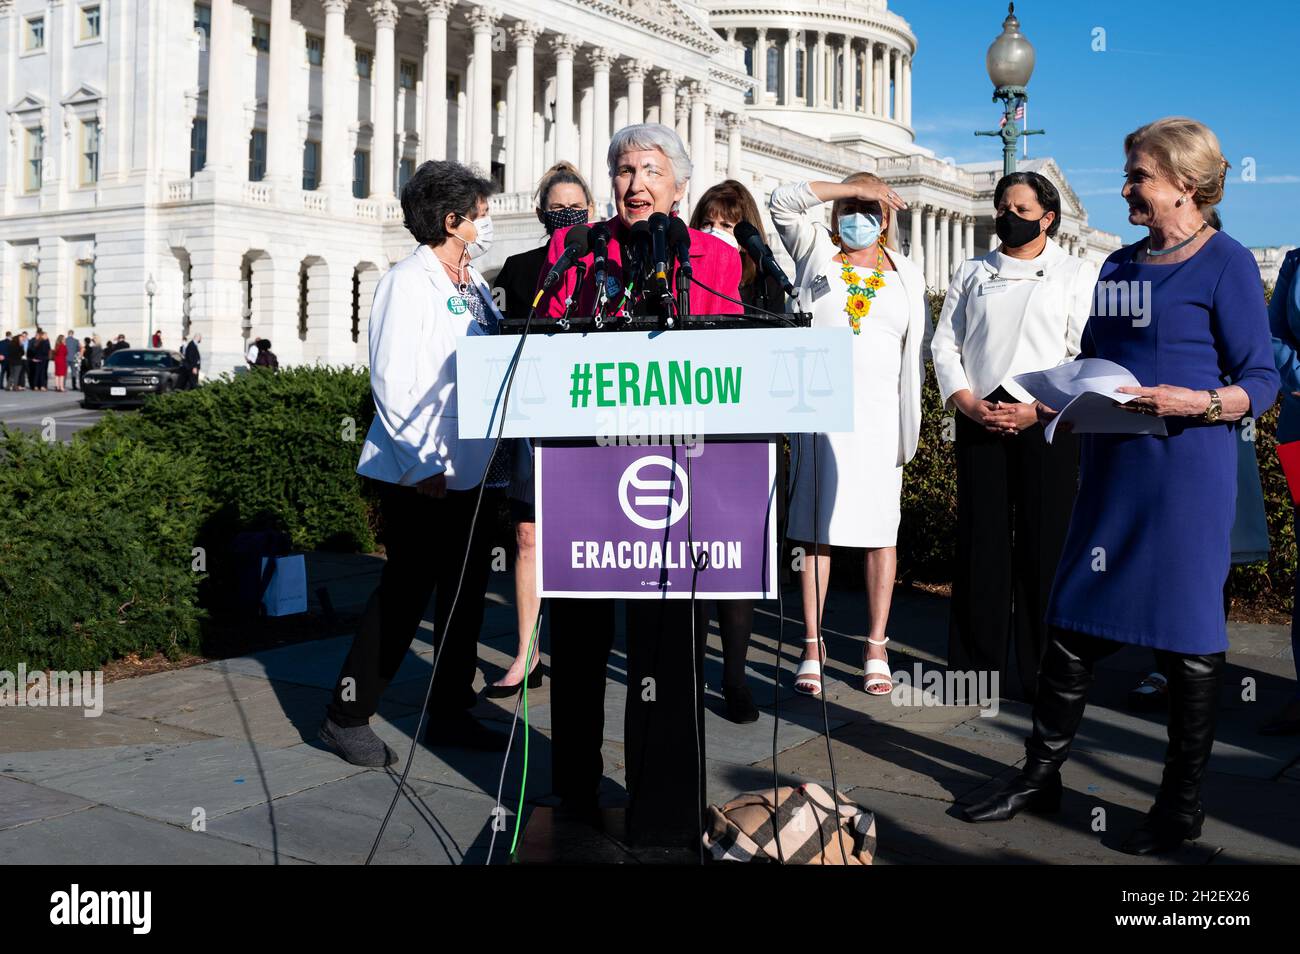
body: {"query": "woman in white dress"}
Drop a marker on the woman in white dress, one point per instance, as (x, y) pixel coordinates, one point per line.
(847, 486)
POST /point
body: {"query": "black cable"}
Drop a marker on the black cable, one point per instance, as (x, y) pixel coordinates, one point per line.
(780, 645)
(823, 657)
(698, 562)
(736, 301)
(469, 542)
(533, 641)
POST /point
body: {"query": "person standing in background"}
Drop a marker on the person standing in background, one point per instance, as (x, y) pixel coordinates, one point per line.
(563, 199)
(38, 361)
(74, 360)
(1284, 326)
(1020, 308)
(60, 354)
(193, 362)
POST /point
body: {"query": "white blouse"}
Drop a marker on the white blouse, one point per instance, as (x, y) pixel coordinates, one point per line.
(413, 335)
(1005, 316)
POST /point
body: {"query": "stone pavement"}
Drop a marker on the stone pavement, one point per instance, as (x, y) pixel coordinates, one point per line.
(233, 743)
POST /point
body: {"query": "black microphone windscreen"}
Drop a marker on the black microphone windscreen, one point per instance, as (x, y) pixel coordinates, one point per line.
(641, 232)
(678, 233)
(578, 237)
(746, 235)
(599, 232)
(658, 222)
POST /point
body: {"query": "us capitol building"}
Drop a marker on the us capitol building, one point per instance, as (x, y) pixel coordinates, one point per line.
(232, 168)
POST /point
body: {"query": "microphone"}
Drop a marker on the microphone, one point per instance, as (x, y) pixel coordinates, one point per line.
(658, 224)
(679, 244)
(599, 237)
(751, 240)
(576, 245)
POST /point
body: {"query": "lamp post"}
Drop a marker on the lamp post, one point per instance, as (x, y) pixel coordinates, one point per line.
(150, 288)
(1010, 61)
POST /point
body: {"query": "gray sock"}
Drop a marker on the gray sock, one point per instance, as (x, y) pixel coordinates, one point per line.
(357, 744)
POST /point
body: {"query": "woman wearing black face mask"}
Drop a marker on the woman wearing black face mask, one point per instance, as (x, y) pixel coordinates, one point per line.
(563, 199)
(1019, 308)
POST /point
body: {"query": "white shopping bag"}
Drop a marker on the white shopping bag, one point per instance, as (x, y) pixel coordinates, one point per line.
(286, 594)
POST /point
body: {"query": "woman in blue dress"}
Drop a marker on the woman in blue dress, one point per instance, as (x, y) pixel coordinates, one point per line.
(1147, 552)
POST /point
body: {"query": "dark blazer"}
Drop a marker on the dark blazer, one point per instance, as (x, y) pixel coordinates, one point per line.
(519, 278)
(192, 359)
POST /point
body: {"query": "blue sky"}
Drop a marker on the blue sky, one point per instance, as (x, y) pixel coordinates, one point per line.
(1234, 66)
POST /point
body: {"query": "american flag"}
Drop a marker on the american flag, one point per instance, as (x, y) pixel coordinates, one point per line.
(1020, 114)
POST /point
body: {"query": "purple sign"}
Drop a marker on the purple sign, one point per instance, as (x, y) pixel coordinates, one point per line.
(623, 522)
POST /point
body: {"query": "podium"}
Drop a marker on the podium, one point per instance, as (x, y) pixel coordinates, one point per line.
(655, 480)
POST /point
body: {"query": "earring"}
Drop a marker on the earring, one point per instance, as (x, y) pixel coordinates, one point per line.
(835, 238)
(1179, 202)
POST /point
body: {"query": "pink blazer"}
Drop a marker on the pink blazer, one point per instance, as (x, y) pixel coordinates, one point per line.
(714, 262)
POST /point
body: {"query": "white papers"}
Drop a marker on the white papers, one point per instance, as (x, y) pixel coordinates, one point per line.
(1085, 392)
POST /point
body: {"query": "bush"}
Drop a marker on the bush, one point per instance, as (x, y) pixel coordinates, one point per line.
(95, 558)
(274, 451)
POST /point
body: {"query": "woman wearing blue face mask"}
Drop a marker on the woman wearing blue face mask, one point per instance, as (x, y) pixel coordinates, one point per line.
(847, 486)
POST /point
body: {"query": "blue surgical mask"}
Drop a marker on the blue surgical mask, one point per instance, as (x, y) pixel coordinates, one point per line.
(858, 230)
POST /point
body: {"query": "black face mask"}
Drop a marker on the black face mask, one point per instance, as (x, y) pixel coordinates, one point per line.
(1015, 231)
(561, 218)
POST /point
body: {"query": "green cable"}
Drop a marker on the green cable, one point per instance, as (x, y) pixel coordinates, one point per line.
(523, 781)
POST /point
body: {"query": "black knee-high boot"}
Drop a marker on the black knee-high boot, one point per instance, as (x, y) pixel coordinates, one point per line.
(1193, 707)
(1063, 683)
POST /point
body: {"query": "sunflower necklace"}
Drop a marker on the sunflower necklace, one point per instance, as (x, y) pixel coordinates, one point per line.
(861, 292)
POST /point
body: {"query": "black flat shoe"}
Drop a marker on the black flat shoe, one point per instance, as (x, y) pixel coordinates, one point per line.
(740, 705)
(506, 691)
(1160, 834)
(1018, 795)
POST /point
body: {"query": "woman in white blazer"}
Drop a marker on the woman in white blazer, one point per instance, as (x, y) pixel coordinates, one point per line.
(1021, 307)
(847, 486)
(426, 477)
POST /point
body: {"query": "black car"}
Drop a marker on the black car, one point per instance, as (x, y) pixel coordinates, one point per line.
(129, 375)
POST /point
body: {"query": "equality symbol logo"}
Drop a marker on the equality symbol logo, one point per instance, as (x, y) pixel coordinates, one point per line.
(653, 505)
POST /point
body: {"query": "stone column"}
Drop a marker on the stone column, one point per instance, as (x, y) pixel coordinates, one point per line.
(223, 93)
(968, 242)
(760, 67)
(586, 116)
(283, 161)
(483, 21)
(600, 60)
(667, 98)
(941, 272)
(898, 84)
(818, 97)
(787, 68)
(710, 146)
(698, 101)
(907, 91)
(868, 78)
(850, 84)
(524, 34)
(734, 123)
(634, 71)
(959, 253)
(336, 150)
(684, 114)
(915, 237)
(385, 15)
(433, 142)
(566, 143)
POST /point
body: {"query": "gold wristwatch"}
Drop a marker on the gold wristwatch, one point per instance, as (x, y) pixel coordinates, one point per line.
(1215, 409)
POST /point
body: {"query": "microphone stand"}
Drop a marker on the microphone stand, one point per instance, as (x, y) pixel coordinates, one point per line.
(581, 268)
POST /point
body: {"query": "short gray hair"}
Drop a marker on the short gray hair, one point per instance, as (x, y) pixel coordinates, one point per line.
(651, 136)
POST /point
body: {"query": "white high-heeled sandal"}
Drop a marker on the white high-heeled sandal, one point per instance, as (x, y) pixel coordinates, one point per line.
(875, 672)
(810, 668)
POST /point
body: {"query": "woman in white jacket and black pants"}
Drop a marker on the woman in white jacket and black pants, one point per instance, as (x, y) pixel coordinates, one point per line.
(847, 490)
(426, 476)
(1020, 308)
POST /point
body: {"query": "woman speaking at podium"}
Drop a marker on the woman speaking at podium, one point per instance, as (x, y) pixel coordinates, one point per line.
(848, 486)
(649, 172)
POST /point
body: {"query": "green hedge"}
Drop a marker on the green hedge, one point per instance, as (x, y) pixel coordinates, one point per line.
(95, 558)
(274, 450)
(96, 537)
